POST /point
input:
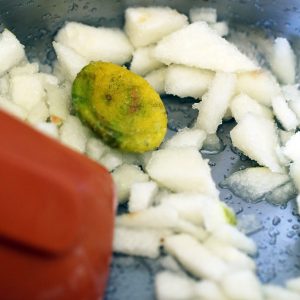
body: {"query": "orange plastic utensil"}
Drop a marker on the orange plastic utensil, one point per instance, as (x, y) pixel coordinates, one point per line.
(56, 218)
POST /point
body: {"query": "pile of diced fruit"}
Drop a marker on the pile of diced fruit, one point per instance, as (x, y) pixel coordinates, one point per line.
(174, 210)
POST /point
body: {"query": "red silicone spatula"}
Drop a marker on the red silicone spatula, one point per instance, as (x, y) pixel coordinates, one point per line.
(56, 218)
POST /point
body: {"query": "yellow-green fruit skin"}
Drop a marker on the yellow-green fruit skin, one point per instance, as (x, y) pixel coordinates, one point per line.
(120, 106)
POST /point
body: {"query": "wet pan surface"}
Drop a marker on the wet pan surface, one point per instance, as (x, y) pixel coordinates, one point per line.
(278, 238)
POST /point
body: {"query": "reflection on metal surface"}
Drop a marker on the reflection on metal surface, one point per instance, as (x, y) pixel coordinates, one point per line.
(36, 21)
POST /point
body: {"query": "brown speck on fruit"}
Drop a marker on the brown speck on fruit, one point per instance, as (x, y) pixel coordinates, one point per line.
(108, 97)
(56, 120)
(135, 103)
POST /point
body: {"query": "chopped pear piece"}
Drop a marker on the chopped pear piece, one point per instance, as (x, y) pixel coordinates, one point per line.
(293, 284)
(283, 61)
(216, 214)
(185, 81)
(124, 177)
(213, 144)
(49, 129)
(252, 184)
(206, 14)
(195, 258)
(275, 292)
(27, 90)
(153, 217)
(186, 227)
(242, 285)
(238, 259)
(49, 79)
(284, 114)
(259, 85)
(295, 173)
(187, 138)
(23, 69)
(181, 170)
(138, 242)
(295, 107)
(73, 134)
(228, 115)
(292, 147)
(173, 286)
(282, 194)
(156, 79)
(96, 43)
(147, 25)
(221, 28)
(231, 235)
(13, 108)
(198, 209)
(111, 160)
(197, 45)
(4, 85)
(39, 113)
(257, 138)
(70, 61)
(243, 104)
(143, 61)
(163, 217)
(188, 205)
(11, 51)
(95, 148)
(142, 195)
(58, 101)
(214, 105)
(209, 290)
(292, 94)
(284, 136)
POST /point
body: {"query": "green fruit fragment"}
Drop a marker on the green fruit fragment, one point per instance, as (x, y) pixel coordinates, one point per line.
(119, 106)
(229, 214)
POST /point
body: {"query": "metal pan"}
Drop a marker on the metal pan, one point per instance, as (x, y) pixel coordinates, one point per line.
(36, 21)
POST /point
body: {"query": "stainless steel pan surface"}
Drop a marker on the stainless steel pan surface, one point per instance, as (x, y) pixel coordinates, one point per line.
(35, 22)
